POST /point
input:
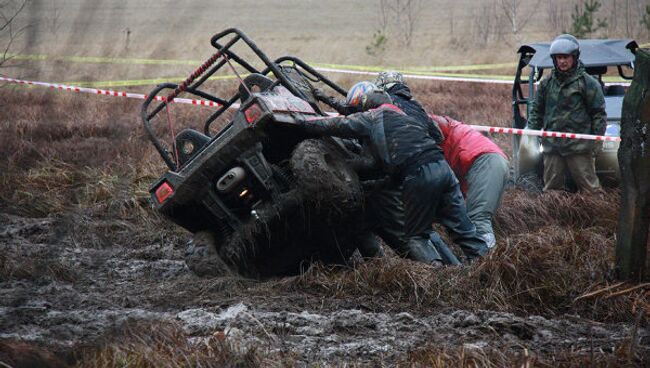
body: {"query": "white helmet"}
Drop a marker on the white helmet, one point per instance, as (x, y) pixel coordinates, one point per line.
(389, 78)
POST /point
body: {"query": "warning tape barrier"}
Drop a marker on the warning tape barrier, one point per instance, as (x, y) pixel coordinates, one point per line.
(449, 78)
(140, 61)
(144, 82)
(423, 73)
(96, 91)
(545, 133)
(500, 79)
(481, 128)
(452, 77)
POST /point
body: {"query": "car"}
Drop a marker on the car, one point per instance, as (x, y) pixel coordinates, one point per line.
(600, 57)
(260, 197)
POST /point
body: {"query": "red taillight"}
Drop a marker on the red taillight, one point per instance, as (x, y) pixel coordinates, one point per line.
(253, 113)
(163, 192)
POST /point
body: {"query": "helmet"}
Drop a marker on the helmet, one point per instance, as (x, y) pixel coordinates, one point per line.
(388, 78)
(565, 44)
(567, 36)
(356, 93)
(366, 96)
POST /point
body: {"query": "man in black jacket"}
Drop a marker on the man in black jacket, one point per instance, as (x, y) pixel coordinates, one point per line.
(407, 152)
(393, 83)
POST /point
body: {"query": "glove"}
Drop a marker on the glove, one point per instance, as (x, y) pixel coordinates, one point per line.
(319, 94)
(376, 185)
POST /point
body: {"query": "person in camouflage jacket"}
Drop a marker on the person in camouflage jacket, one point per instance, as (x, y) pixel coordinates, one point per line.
(569, 100)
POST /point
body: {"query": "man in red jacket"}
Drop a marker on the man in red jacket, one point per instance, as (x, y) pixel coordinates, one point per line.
(480, 166)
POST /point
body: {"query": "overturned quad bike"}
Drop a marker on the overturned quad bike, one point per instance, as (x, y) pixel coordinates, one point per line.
(260, 196)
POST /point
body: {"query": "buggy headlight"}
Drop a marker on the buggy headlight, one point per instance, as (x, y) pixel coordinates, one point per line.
(612, 130)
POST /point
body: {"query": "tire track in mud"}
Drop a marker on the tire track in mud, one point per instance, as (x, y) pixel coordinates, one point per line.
(60, 293)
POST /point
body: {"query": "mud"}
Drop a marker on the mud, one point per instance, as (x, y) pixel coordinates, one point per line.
(60, 293)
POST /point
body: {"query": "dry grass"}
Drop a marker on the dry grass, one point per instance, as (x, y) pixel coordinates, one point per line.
(24, 354)
(85, 159)
(435, 357)
(545, 261)
(167, 346)
(17, 266)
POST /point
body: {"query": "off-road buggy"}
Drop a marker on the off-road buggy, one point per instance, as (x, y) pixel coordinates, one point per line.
(600, 57)
(260, 196)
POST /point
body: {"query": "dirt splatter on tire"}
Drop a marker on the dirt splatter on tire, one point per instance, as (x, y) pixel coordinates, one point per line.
(202, 258)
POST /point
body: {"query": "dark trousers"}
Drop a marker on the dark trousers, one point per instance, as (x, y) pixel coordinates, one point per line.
(385, 217)
(432, 194)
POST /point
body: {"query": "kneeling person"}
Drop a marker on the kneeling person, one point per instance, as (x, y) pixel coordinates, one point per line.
(482, 168)
(408, 153)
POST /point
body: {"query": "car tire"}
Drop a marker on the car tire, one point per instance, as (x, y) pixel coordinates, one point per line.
(201, 255)
(323, 175)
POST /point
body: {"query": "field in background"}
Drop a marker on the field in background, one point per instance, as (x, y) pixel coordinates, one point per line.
(81, 243)
(82, 247)
(344, 32)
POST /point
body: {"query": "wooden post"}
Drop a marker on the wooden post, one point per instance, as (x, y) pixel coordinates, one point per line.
(634, 162)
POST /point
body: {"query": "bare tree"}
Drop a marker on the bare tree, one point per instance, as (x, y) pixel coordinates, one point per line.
(53, 21)
(383, 16)
(402, 15)
(486, 24)
(9, 10)
(557, 16)
(517, 16)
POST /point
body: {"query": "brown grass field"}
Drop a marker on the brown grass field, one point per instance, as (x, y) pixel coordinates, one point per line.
(92, 276)
(84, 164)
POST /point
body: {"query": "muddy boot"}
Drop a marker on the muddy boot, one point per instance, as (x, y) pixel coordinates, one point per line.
(448, 257)
(422, 250)
(202, 258)
(368, 245)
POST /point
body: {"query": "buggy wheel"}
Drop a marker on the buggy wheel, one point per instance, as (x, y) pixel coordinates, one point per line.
(324, 176)
(201, 255)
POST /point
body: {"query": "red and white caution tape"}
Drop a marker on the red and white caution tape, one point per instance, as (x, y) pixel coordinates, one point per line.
(481, 128)
(95, 91)
(418, 76)
(545, 133)
(477, 79)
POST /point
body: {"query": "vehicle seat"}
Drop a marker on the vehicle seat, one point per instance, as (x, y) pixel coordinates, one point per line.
(255, 82)
(189, 142)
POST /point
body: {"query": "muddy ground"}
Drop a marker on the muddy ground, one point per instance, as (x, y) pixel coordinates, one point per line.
(63, 294)
(91, 275)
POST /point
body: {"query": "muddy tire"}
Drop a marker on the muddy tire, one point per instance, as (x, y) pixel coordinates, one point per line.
(202, 258)
(325, 179)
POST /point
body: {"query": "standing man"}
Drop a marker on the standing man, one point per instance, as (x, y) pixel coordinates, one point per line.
(569, 100)
(406, 151)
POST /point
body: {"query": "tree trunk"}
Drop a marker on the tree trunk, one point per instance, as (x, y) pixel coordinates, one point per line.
(634, 162)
